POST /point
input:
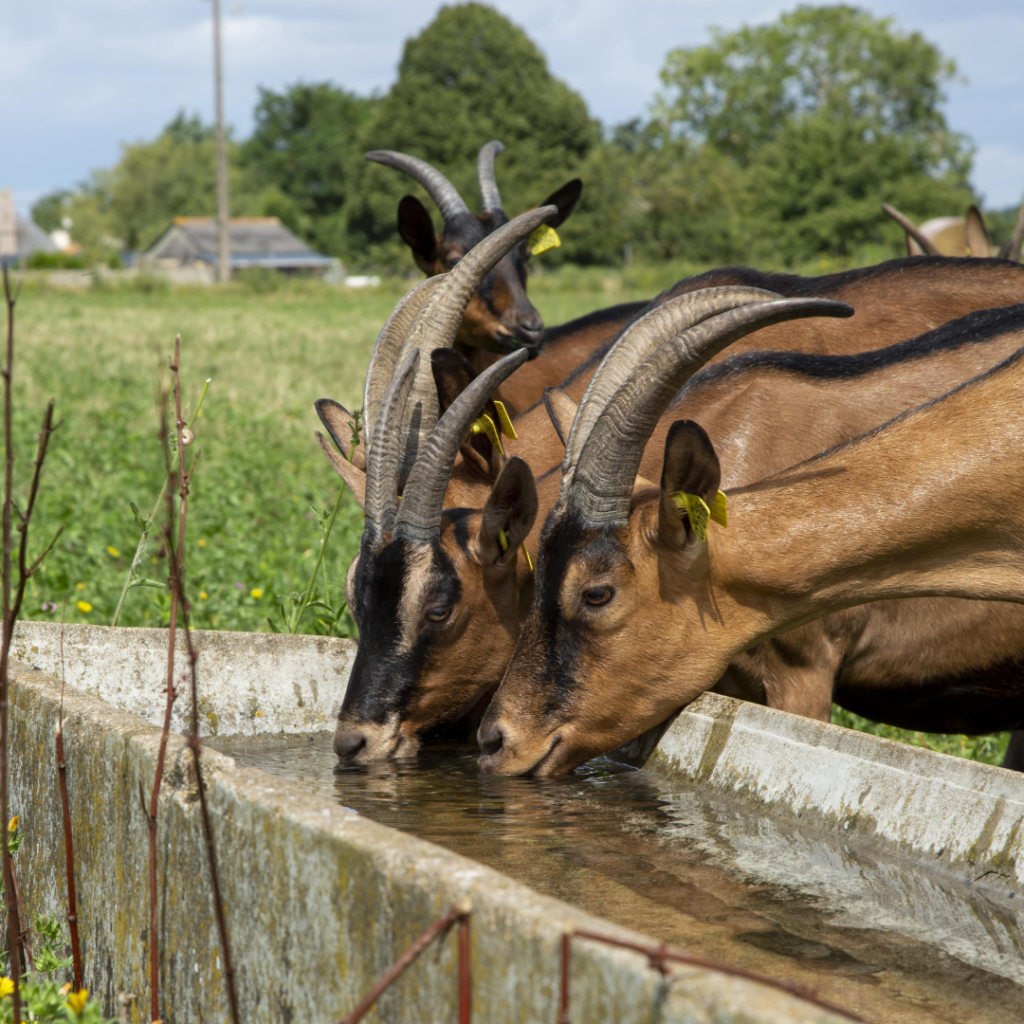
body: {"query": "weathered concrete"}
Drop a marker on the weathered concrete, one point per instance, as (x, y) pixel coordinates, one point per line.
(953, 813)
(319, 899)
(250, 683)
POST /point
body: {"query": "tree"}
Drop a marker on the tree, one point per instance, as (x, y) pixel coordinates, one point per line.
(306, 144)
(829, 110)
(469, 77)
(48, 211)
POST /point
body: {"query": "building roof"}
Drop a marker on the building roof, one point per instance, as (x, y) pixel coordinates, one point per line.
(252, 241)
(19, 236)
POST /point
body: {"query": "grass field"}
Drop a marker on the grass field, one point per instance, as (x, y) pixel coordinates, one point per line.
(262, 482)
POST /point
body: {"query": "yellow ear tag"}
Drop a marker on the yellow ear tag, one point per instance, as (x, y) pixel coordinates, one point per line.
(505, 421)
(699, 514)
(485, 425)
(542, 239)
(503, 542)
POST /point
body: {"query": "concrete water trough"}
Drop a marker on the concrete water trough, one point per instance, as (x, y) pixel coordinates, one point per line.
(887, 877)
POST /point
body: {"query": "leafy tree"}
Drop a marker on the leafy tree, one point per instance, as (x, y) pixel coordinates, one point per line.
(469, 77)
(307, 145)
(829, 110)
(48, 211)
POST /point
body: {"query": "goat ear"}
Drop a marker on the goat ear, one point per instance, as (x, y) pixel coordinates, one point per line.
(565, 199)
(417, 231)
(339, 423)
(978, 241)
(352, 475)
(453, 373)
(691, 467)
(562, 410)
(509, 514)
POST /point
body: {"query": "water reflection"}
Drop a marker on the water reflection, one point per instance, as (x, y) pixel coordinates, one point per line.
(882, 936)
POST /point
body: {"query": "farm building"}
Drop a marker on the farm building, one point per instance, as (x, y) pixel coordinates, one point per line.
(19, 236)
(190, 243)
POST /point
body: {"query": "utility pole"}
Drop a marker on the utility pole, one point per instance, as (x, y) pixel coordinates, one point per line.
(223, 213)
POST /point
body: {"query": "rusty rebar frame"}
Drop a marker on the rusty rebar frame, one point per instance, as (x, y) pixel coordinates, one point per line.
(659, 957)
(458, 914)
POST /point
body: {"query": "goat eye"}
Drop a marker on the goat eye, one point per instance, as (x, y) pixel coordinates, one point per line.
(439, 613)
(452, 260)
(597, 596)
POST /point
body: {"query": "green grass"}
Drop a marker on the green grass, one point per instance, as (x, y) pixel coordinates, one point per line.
(271, 352)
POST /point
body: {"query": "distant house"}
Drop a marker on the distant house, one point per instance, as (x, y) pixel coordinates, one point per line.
(191, 243)
(19, 236)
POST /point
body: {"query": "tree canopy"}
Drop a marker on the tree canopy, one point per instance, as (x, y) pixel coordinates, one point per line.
(774, 143)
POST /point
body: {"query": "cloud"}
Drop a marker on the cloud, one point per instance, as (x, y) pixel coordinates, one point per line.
(87, 75)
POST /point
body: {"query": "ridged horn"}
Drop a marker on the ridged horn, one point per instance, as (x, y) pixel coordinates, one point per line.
(603, 481)
(914, 232)
(438, 322)
(386, 351)
(441, 190)
(382, 468)
(485, 175)
(419, 518)
(635, 344)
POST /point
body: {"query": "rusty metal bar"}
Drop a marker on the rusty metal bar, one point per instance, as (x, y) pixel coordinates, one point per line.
(659, 955)
(459, 913)
(465, 972)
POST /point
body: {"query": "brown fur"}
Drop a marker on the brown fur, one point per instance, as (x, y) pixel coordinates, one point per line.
(928, 505)
(462, 664)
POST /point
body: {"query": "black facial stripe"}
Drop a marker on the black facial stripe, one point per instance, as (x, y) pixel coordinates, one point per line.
(384, 678)
(460, 520)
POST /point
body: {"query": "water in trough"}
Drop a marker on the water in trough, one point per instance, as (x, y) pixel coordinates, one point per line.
(881, 935)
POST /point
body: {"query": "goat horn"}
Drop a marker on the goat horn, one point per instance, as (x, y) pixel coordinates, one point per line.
(439, 319)
(419, 518)
(386, 351)
(927, 245)
(382, 468)
(442, 191)
(606, 471)
(485, 175)
(634, 345)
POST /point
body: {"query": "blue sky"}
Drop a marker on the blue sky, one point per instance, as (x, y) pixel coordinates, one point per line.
(79, 77)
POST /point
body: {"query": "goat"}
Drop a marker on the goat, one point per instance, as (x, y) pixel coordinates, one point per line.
(945, 236)
(637, 611)
(460, 663)
(500, 316)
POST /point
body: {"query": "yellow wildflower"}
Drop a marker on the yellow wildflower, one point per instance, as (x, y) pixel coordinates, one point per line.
(79, 586)
(203, 595)
(202, 543)
(77, 1000)
(12, 825)
(65, 988)
(256, 592)
(154, 559)
(6, 987)
(84, 606)
(113, 552)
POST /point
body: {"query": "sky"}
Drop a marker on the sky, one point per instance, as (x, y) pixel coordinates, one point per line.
(81, 77)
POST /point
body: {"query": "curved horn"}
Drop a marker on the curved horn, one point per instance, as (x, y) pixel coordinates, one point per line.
(927, 245)
(603, 482)
(636, 343)
(386, 351)
(441, 190)
(382, 469)
(419, 519)
(439, 319)
(485, 175)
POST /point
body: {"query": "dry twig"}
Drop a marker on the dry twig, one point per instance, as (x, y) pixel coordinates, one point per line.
(69, 847)
(12, 597)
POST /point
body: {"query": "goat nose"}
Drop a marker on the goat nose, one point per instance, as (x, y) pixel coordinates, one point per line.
(531, 321)
(348, 742)
(491, 738)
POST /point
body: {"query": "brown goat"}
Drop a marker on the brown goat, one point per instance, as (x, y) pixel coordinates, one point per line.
(635, 614)
(455, 666)
(500, 316)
